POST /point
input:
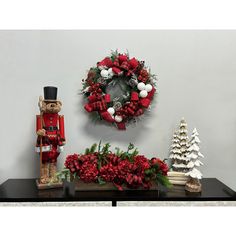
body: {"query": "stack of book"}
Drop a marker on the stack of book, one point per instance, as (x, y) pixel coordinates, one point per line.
(177, 178)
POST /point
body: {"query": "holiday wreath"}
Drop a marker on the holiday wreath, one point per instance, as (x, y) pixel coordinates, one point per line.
(136, 88)
(122, 168)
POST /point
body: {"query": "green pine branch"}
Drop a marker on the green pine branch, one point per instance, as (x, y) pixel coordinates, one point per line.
(163, 180)
(64, 174)
(101, 181)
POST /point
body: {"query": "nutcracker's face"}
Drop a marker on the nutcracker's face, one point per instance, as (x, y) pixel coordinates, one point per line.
(51, 107)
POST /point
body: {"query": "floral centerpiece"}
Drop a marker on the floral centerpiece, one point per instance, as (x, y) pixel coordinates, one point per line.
(121, 168)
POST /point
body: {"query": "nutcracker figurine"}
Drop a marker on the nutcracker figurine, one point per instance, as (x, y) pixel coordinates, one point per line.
(51, 138)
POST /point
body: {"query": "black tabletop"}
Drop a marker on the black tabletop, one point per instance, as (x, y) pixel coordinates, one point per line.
(25, 190)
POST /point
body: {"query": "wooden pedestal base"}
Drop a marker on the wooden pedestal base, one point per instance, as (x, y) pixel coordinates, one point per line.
(48, 185)
(81, 186)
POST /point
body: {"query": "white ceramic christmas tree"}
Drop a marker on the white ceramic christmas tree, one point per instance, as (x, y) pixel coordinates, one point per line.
(178, 153)
(194, 185)
(180, 163)
(175, 152)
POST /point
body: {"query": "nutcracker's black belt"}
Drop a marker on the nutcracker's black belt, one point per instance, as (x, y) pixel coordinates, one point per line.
(51, 128)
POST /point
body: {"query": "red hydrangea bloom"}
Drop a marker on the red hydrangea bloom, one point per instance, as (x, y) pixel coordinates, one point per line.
(108, 172)
(89, 171)
(142, 161)
(88, 158)
(124, 167)
(113, 158)
(134, 181)
(72, 163)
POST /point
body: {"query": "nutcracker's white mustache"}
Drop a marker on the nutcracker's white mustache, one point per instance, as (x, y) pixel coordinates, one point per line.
(54, 108)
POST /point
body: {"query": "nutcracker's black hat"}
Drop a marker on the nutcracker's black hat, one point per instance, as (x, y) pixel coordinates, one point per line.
(50, 94)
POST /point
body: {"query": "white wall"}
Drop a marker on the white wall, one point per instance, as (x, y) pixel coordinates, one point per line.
(196, 71)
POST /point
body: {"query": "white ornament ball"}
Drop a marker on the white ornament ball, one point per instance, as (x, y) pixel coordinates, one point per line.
(143, 94)
(148, 87)
(110, 72)
(118, 118)
(104, 73)
(111, 110)
(141, 86)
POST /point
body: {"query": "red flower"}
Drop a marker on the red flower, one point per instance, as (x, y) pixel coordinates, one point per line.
(161, 164)
(124, 167)
(113, 159)
(72, 163)
(145, 102)
(134, 181)
(116, 70)
(107, 116)
(143, 76)
(88, 158)
(106, 62)
(142, 161)
(133, 63)
(94, 88)
(142, 79)
(144, 73)
(89, 171)
(108, 172)
(134, 96)
(122, 58)
(151, 93)
(125, 65)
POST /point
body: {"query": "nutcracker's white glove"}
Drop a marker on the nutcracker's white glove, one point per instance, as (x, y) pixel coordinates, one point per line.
(41, 132)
